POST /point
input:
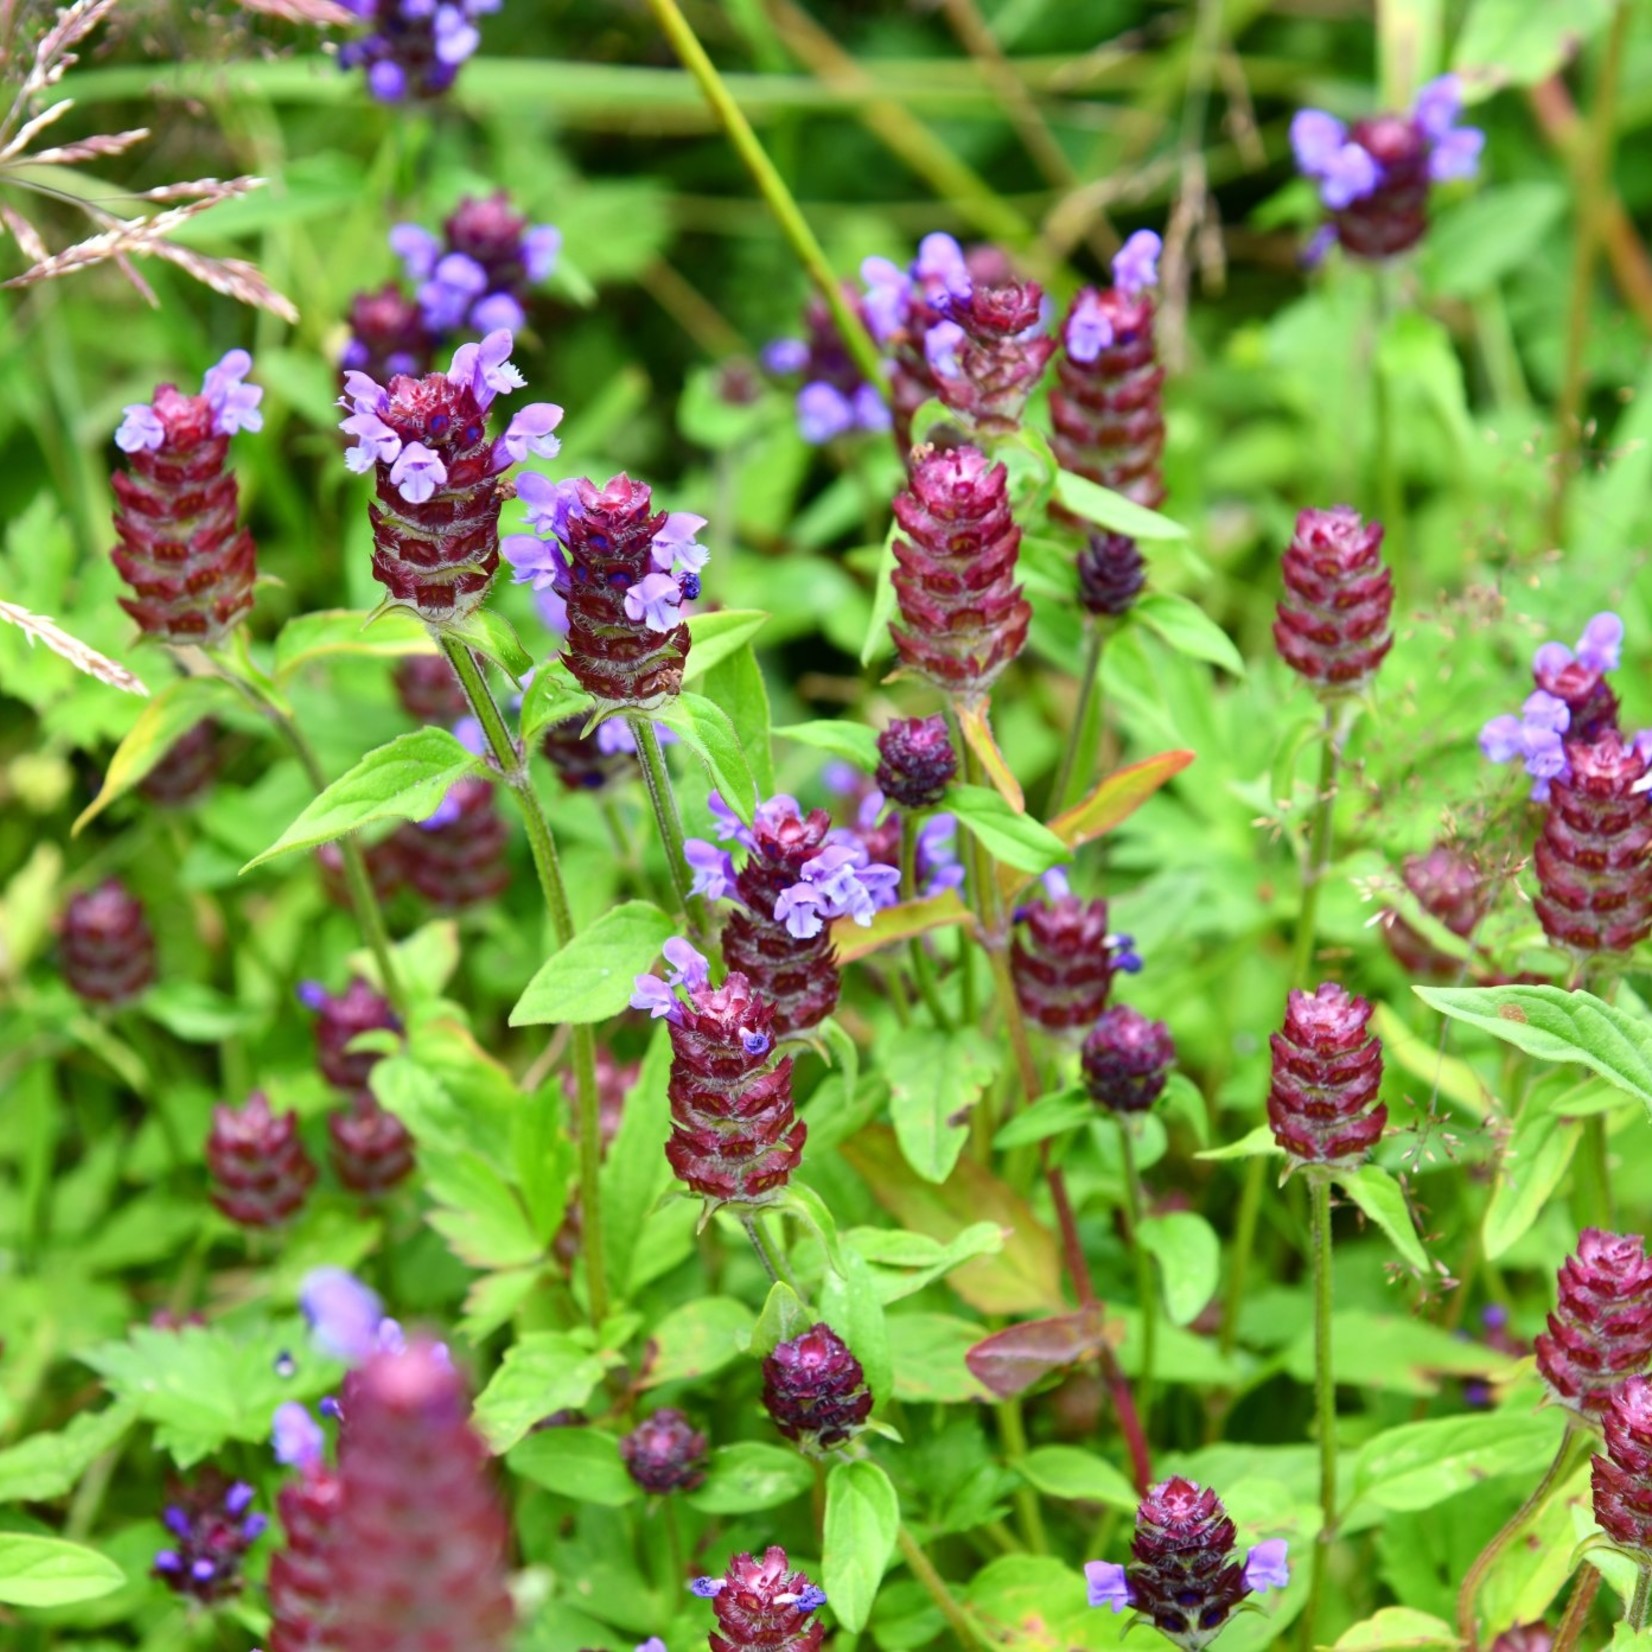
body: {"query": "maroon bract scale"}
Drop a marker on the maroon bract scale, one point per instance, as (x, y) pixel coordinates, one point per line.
(610, 549)
(457, 858)
(420, 1546)
(1525, 1637)
(1601, 1329)
(995, 354)
(370, 1148)
(1622, 1479)
(339, 1021)
(1107, 407)
(1062, 963)
(1111, 574)
(665, 1453)
(1183, 1575)
(106, 949)
(189, 562)
(815, 1390)
(1451, 888)
(261, 1173)
(187, 770)
(388, 334)
(1126, 1060)
(1326, 1072)
(429, 689)
(763, 1606)
(735, 1135)
(1394, 216)
(1594, 874)
(916, 762)
(300, 1584)
(797, 976)
(963, 616)
(578, 758)
(1592, 705)
(1332, 623)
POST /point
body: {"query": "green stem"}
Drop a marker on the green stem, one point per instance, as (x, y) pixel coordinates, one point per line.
(769, 1253)
(1592, 184)
(793, 225)
(1325, 1404)
(1390, 484)
(543, 846)
(923, 969)
(934, 1585)
(1085, 718)
(1145, 1292)
(1642, 1603)
(1013, 1432)
(1319, 853)
(1468, 1628)
(657, 778)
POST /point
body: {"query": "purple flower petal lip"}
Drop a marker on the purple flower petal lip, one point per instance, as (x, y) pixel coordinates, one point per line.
(941, 345)
(1087, 331)
(1107, 1585)
(469, 733)
(654, 601)
(541, 247)
(536, 561)
(884, 302)
(713, 870)
(871, 412)
(1136, 263)
(1438, 105)
(364, 393)
(175, 1520)
(941, 259)
(707, 1588)
(141, 431)
(823, 413)
(799, 908)
(486, 368)
(1545, 754)
(1500, 738)
(1550, 658)
(1542, 710)
(754, 1043)
(652, 1644)
(1600, 648)
(1266, 1567)
(417, 473)
(166, 1560)
(344, 1314)
(676, 547)
(1349, 176)
(417, 248)
(238, 1498)
(234, 404)
(1318, 244)
(1456, 157)
(549, 504)
(387, 81)
(689, 967)
(813, 1597)
(650, 993)
(296, 1435)
(497, 311)
(726, 825)
(530, 432)
(614, 737)
(376, 442)
(456, 36)
(785, 355)
(1315, 138)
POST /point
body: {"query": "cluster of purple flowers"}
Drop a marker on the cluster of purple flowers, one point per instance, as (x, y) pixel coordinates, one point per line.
(833, 399)
(1569, 693)
(233, 405)
(841, 881)
(688, 970)
(1091, 327)
(211, 1529)
(414, 48)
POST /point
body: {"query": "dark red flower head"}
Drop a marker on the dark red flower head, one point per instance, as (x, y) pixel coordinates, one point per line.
(1623, 1477)
(340, 1020)
(665, 1452)
(815, 1390)
(1601, 1329)
(459, 856)
(990, 352)
(916, 762)
(1452, 888)
(370, 1148)
(187, 770)
(261, 1173)
(1064, 959)
(388, 334)
(105, 947)
(299, 1578)
(1127, 1059)
(1326, 1072)
(1111, 574)
(1332, 623)
(763, 1606)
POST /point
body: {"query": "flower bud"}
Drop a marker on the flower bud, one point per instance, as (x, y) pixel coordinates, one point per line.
(916, 762)
(1332, 622)
(815, 1390)
(106, 949)
(210, 1533)
(186, 772)
(1326, 1072)
(429, 689)
(300, 1580)
(370, 1148)
(261, 1172)
(762, 1606)
(1593, 872)
(1111, 574)
(665, 1452)
(420, 1541)
(964, 617)
(1127, 1059)
(388, 335)
(459, 856)
(1601, 1327)
(359, 1009)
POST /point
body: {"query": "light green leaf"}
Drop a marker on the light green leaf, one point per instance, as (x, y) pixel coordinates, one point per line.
(489, 633)
(1056, 1114)
(863, 1517)
(704, 727)
(750, 1477)
(716, 635)
(853, 742)
(542, 1372)
(1112, 510)
(1517, 43)
(46, 1571)
(1190, 1260)
(926, 1351)
(1015, 839)
(478, 1213)
(1078, 1476)
(552, 697)
(736, 684)
(196, 1012)
(313, 636)
(1253, 1144)
(591, 978)
(581, 1463)
(1396, 1627)
(1419, 1465)
(1530, 1166)
(883, 600)
(404, 780)
(1188, 629)
(1383, 1201)
(935, 1080)
(697, 1339)
(904, 1263)
(46, 1466)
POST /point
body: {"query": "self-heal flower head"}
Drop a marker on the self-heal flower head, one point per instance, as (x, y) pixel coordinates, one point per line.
(212, 1531)
(762, 1605)
(1344, 171)
(234, 404)
(296, 1436)
(344, 1315)
(823, 413)
(688, 972)
(1136, 263)
(452, 287)
(417, 248)
(884, 301)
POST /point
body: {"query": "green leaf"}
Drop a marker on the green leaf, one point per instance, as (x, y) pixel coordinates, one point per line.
(1516, 43)
(592, 977)
(581, 1463)
(1556, 1025)
(329, 631)
(1188, 629)
(750, 1477)
(783, 1317)
(1015, 839)
(1078, 1477)
(164, 719)
(542, 1372)
(46, 1571)
(46, 1466)
(697, 1339)
(1112, 510)
(717, 635)
(635, 1171)
(404, 780)
(1053, 1115)
(736, 684)
(1383, 1201)
(883, 600)
(1530, 1166)
(1189, 1257)
(853, 742)
(1419, 1465)
(1394, 1627)
(489, 633)
(1424, 1060)
(552, 697)
(863, 1517)
(935, 1080)
(852, 1304)
(704, 727)
(1253, 1144)
(479, 1214)
(197, 1013)
(904, 1263)
(926, 1354)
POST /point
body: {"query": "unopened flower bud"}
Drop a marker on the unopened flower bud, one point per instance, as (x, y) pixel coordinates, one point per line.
(105, 947)
(1111, 574)
(916, 762)
(210, 1528)
(261, 1173)
(1127, 1059)
(815, 1390)
(665, 1452)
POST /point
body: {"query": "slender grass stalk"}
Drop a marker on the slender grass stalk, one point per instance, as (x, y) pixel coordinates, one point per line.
(1145, 1291)
(934, 1585)
(543, 846)
(1325, 1402)
(663, 800)
(1087, 720)
(1468, 1628)
(1012, 1431)
(793, 225)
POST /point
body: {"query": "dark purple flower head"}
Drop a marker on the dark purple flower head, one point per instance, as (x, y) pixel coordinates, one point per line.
(340, 1020)
(1326, 1072)
(1126, 1060)
(106, 949)
(1332, 622)
(186, 772)
(916, 762)
(211, 1531)
(815, 1390)
(1601, 1329)
(458, 856)
(1111, 574)
(261, 1172)
(1063, 958)
(414, 48)
(370, 1148)
(763, 1606)
(1451, 887)
(665, 1452)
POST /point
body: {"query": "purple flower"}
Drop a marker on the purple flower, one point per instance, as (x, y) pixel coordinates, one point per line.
(654, 600)
(676, 547)
(785, 355)
(652, 994)
(456, 36)
(1438, 105)
(141, 430)
(1136, 264)
(1456, 157)
(530, 432)
(850, 881)
(497, 312)
(453, 285)
(726, 824)
(376, 442)
(870, 410)
(387, 81)
(800, 909)
(1454, 151)
(811, 1599)
(754, 1043)
(417, 472)
(823, 413)
(345, 1317)
(884, 301)
(536, 561)
(364, 393)
(1108, 1586)
(941, 344)
(938, 868)
(689, 968)
(549, 503)
(707, 1588)
(1265, 1566)
(1500, 738)
(652, 1644)
(941, 259)
(1600, 648)
(541, 247)
(234, 404)
(713, 870)
(297, 1436)
(1089, 331)
(1344, 171)
(486, 368)
(417, 248)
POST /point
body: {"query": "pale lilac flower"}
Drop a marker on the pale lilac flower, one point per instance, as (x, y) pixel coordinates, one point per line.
(823, 413)
(1438, 105)
(712, 868)
(530, 432)
(417, 248)
(1344, 171)
(417, 473)
(486, 368)
(234, 404)
(884, 302)
(1107, 1585)
(446, 296)
(707, 1588)
(141, 430)
(785, 355)
(676, 547)
(387, 81)
(541, 247)
(1600, 648)
(1088, 331)
(536, 561)
(688, 968)
(296, 1436)
(726, 825)
(871, 413)
(345, 1316)
(497, 312)
(456, 36)
(1265, 1566)
(941, 259)
(941, 345)
(801, 909)
(364, 393)
(652, 994)
(654, 600)
(549, 504)
(376, 442)
(1136, 263)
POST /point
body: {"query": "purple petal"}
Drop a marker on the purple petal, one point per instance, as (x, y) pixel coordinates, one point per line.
(417, 248)
(344, 1315)
(1265, 1566)
(1600, 647)
(785, 355)
(141, 431)
(652, 994)
(1456, 157)
(297, 1436)
(1500, 739)
(1438, 105)
(689, 967)
(823, 413)
(1108, 1585)
(1136, 264)
(1315, 138)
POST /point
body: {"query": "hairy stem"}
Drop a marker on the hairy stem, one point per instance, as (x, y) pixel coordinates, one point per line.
(923, 969)
(1086, 716)
(542, 843)
(769, 1253)
(1641, 1605)
(934, 1585)
(657, 778)
(1325, 1401)
(1147, 1295)
(1577, 1609)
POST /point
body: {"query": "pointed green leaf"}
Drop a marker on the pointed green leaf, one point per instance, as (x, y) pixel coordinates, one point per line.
(591, 978)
